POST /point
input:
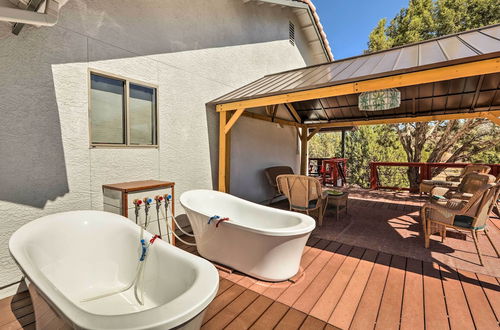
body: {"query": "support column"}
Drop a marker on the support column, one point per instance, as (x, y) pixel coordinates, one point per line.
(223, 154)
(227, 119)
(343, 144)
(303, 151)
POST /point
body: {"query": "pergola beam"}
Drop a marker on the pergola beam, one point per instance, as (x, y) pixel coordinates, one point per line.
(233, 120)
(313, 133)
(294, 112)
(492, 115)
(400, 80)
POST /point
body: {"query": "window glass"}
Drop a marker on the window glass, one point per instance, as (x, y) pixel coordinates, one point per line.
(107, 120)
(142, 112)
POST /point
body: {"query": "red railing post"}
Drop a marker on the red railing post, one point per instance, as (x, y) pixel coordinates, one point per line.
(373, 176)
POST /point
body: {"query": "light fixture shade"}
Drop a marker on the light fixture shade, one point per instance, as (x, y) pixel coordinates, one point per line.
(382, 99)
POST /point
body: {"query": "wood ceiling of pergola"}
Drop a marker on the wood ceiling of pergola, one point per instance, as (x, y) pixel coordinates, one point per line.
(452, 77)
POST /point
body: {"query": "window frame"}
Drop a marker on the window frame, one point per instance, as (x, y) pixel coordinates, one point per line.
(126, 110)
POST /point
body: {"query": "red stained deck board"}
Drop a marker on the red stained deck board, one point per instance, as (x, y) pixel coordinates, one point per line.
(276, 289)
(231, 311)
(481, 311)
(412, 315)
(222, 300)
(224, 285)
(332, 294)
(492, 291)
(456, 303)
(344, 311)
(307, 300)
(271, 317)
(390, 306)
(250, 314)
(293, 292)
(435, 306)
(292, 320)
(312, 323)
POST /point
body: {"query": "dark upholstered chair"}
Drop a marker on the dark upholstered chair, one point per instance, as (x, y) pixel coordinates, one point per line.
(271, 175)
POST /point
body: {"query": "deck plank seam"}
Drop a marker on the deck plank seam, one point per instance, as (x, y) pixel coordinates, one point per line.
(441, 280)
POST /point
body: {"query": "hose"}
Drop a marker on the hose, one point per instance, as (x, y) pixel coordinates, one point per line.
(170, 229)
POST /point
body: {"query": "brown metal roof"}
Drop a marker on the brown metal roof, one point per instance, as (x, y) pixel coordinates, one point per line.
(471, 94)
(462, 47)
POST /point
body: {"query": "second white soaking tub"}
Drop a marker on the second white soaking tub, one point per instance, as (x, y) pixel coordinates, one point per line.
(257, 240)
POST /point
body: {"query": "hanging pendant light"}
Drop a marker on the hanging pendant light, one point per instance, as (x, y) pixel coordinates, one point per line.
(382, 99)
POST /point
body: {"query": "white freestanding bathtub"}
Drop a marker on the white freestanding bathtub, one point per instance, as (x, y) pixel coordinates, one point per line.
(257, 240)
(72, 256)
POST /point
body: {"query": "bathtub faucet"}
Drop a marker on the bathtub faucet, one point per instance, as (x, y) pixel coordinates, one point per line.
(220, 220)
(215, 217)
(137, 206)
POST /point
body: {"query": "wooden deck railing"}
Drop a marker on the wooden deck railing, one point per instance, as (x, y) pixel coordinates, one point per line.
(424, 172)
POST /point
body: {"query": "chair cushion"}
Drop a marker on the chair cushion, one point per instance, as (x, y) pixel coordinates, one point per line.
(465, 222)
(312, 205)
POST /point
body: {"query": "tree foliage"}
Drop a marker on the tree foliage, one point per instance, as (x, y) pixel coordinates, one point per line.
(448, 141)
(445, 141)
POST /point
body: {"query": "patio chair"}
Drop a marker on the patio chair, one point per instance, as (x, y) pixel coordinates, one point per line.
(469, 169)
(451, 181)
(304, 194)
(470, 183)
(471, 215)
(496, 207)
(271, 175)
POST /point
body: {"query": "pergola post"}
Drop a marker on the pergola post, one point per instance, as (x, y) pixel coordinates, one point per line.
(303, 151)
(343, 144)
(226, 122)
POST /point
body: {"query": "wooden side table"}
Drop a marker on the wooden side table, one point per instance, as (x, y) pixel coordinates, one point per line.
(338, 201)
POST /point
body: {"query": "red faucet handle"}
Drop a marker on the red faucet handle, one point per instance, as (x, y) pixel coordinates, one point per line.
(137, 202)
(159, 198)
(152, 240)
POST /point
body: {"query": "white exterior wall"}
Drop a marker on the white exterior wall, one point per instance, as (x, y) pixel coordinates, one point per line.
(194, 50)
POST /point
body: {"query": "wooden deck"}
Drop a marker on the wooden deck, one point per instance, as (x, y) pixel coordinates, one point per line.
(345, 286)
(348, 287)
(342, 287)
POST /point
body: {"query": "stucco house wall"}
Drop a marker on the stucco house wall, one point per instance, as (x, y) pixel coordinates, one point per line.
(194, 50)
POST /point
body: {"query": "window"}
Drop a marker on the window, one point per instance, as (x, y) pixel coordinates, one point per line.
(122, 112)
(291, 33)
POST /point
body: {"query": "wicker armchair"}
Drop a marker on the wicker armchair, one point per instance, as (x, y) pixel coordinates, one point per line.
(304, 194)
(471, 215)
(451, 181)
(470, 183)
(469, 169)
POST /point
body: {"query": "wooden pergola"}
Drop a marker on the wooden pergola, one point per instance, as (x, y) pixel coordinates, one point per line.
(452, 77)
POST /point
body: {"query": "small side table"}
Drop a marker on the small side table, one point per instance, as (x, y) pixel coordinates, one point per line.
(338, 201)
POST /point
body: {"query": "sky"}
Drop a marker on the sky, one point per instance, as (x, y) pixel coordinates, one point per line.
(348, 23)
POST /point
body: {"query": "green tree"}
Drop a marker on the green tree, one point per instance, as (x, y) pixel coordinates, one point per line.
(462, 140)
(325, 145)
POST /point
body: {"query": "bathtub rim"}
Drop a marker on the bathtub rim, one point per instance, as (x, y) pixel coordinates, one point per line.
(306, 225)
(197, 298)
